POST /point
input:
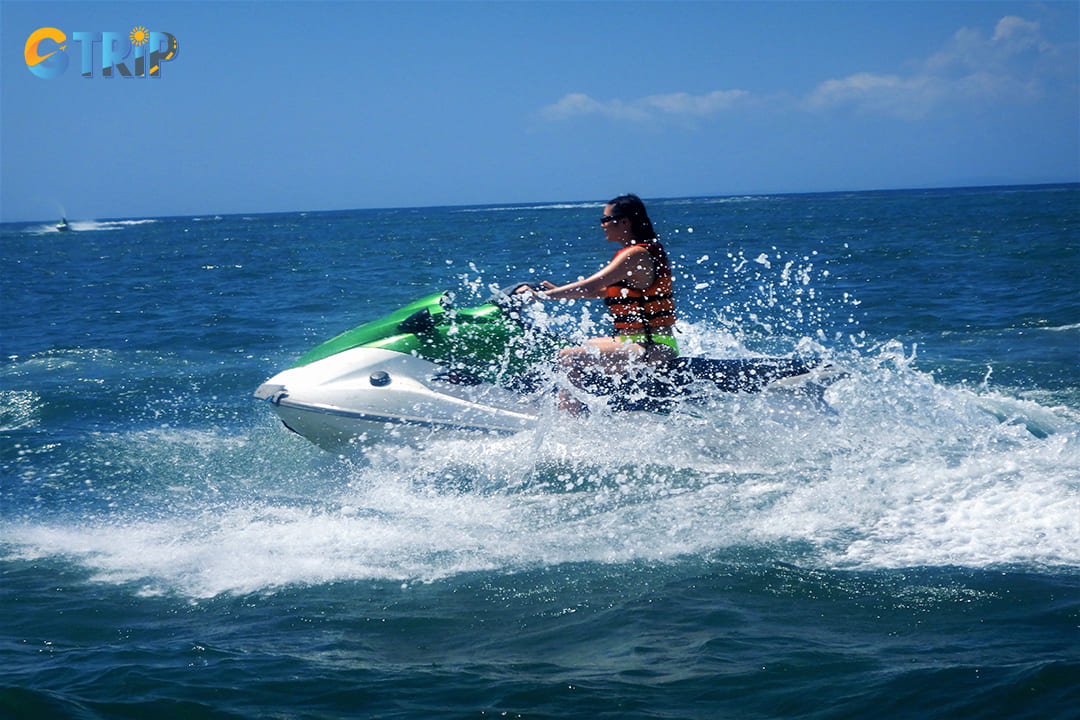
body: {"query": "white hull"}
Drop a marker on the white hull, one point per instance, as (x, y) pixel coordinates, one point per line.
(363, 395)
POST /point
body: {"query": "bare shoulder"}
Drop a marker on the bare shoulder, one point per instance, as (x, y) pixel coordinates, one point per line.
(637, 254)
(636, 258)
(635, 264)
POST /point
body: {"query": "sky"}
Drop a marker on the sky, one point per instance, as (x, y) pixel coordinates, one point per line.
(304, 106)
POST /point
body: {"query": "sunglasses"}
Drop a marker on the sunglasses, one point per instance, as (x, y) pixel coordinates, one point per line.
(610, 219)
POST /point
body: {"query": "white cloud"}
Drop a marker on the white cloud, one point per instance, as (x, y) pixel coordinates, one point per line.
(679, 104)
(570, 105)
(1017, 33)
(699, 105)
(889, 94)
(972, 67)
(1009, 65)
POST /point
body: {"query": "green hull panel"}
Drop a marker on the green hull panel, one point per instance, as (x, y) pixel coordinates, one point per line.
(482, 341)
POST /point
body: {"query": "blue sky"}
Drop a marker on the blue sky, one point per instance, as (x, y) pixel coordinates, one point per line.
(283, 106)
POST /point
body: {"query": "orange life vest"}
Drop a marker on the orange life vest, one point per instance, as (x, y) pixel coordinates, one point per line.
(637, 312)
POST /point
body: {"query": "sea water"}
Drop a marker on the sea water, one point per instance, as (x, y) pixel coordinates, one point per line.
(906, 545)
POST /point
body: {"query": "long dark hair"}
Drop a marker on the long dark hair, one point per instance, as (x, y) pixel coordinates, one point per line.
(631, 207)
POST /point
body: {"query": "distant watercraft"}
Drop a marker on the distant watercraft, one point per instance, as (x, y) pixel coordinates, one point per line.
(63, 225)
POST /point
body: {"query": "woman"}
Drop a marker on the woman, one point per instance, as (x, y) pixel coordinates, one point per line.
(636, 285)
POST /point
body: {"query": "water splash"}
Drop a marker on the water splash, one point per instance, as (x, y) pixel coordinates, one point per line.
(90, 225)
(900, 471)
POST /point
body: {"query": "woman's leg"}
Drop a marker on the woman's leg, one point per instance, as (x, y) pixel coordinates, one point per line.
(610, 356)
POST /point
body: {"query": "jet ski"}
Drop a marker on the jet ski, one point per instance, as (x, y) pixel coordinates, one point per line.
(431, 367)
(63, 225)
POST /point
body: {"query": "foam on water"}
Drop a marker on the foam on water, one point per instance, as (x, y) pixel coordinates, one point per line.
(91, 225)
(896, 471)
(533, 208)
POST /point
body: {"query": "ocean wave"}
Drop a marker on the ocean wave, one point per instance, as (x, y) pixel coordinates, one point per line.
(526, 208)
(18, 409)
(91, 225)
(728, 200)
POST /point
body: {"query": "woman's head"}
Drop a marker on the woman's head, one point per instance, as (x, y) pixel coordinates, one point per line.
(631, 208)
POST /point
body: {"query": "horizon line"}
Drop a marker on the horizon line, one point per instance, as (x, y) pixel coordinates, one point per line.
(536, 203)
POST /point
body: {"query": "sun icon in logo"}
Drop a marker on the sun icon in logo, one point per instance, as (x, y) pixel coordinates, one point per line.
(139, 36)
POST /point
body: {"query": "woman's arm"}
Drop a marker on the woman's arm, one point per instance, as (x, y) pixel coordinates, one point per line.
(635, 267)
